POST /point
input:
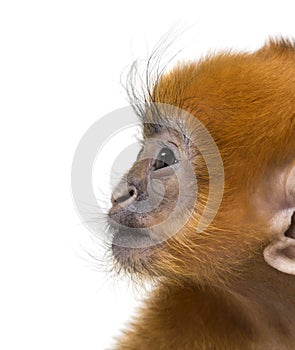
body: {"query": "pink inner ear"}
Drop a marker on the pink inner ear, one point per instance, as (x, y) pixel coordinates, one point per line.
(280, 254)
(289, 252)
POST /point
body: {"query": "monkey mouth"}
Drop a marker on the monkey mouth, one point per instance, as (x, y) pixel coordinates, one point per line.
(133, 231)
(132, 238)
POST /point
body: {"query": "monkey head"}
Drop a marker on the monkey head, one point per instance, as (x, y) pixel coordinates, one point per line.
(213, 186)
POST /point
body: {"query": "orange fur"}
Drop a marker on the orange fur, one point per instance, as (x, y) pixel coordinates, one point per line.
(214, 290)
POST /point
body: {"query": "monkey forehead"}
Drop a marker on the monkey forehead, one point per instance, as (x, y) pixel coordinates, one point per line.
(243, 86)
(163, 131)
(225, 92)
(158, 116)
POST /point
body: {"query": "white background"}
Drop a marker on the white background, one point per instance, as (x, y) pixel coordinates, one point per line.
(60, 66)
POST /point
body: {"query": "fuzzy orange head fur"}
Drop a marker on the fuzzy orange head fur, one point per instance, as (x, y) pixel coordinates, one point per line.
(247, 103)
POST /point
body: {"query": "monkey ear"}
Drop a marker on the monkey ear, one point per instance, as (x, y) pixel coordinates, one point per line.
(280, 254)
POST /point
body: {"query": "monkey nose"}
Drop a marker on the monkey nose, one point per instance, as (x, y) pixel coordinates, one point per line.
(124, 198)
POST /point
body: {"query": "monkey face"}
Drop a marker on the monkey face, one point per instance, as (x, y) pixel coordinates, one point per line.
(246, 103)
(158, 207)
(154, 200)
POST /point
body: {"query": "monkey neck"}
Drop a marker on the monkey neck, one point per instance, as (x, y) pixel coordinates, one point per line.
(259, 306)
(266, 296)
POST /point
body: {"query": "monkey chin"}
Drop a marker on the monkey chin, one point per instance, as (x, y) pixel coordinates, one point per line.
(134, 250)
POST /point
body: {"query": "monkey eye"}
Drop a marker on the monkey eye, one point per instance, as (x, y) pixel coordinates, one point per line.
(164, 159)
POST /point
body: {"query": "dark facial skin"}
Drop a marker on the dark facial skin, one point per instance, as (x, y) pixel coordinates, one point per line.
(147, 202)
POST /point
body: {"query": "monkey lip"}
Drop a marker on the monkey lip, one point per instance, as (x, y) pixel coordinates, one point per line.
(132, 238)
(130, 231)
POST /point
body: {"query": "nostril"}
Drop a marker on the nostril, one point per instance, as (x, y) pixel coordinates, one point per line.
(124, 197)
